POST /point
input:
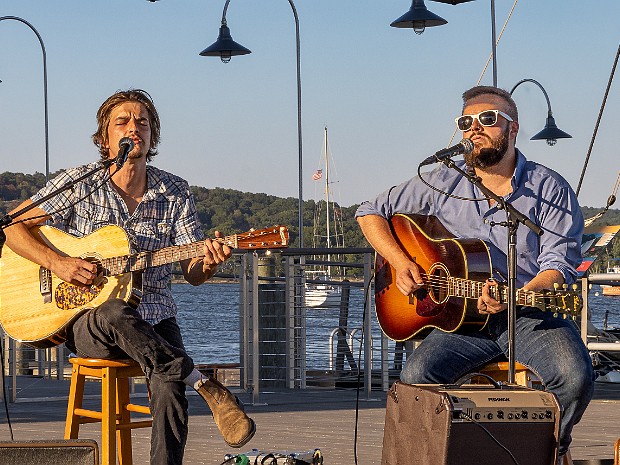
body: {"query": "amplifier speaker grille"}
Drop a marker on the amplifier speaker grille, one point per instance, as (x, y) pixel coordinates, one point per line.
(50, 452)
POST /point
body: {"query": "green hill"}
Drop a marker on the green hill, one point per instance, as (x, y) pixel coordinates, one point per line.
(231, 211)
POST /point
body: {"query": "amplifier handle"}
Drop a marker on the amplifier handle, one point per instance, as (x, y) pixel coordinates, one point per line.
(468, 377)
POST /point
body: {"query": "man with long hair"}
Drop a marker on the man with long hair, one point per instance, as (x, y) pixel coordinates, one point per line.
(157, 210)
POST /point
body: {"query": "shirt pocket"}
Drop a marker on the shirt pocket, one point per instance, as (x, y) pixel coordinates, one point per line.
(92, 218)
(153, 235)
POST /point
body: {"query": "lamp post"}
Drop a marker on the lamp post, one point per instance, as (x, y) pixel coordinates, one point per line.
(419, 18)
(47, 150)
(551, 133)
(226, 48)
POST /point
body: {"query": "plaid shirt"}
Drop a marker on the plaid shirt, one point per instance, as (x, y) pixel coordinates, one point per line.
(166, 216)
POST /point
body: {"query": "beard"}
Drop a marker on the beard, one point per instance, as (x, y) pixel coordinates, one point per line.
(486, 157)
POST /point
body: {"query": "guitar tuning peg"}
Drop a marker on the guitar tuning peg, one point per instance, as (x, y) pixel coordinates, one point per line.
(555, 314)
(556, 286)
(564, 286)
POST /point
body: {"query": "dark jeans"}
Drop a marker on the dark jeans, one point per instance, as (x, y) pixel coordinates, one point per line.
(550, 346)
(115, 330)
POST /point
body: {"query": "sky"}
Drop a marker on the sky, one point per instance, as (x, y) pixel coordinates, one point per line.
(387, 96)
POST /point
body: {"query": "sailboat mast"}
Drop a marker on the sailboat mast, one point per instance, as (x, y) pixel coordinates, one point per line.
(327, 187)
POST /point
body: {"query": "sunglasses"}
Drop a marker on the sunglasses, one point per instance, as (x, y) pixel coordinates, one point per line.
(485, 118)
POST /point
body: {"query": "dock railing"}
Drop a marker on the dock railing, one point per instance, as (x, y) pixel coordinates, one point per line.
(610, 279)
(284, 343)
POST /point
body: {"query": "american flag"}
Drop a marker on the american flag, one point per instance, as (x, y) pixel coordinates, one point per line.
(317, 175)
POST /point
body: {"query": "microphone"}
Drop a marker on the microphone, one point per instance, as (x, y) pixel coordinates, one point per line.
(463, 147)
(125, 146)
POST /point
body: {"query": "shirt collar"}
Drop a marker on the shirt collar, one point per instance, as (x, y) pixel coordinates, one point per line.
(519, 170)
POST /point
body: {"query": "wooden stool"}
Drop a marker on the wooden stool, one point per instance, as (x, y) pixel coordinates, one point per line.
(115, 406)
(499, 372)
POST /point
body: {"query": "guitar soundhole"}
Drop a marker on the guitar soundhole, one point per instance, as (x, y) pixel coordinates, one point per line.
(438, 283)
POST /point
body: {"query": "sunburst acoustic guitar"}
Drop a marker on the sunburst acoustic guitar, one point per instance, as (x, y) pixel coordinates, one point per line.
(454, 271)
(35, 305)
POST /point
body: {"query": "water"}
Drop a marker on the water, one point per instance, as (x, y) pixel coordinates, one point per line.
(210, 321)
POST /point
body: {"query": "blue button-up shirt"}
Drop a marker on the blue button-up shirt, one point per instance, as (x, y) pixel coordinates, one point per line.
(538, 192)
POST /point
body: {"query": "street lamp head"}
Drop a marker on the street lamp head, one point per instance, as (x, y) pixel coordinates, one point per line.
(224, 47)
(551, 133)
(453, 2)
(418, 18)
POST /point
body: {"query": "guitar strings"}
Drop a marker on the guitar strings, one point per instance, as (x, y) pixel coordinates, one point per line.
(452, 285)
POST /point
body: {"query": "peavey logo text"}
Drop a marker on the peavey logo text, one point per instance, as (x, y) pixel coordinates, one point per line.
(498, 399)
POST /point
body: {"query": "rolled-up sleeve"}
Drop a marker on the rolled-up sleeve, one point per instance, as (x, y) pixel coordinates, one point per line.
(562, 221)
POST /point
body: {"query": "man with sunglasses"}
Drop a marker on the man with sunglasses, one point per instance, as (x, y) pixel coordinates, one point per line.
(550, 346)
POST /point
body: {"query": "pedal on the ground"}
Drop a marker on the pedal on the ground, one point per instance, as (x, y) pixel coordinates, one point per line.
(311, 457)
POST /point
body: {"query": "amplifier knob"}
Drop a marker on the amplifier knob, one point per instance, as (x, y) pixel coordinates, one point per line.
(548, 414)
(534, 416)
(524, 414)
(477, 416)
(510, 416)
(500, 414)
(517, 416)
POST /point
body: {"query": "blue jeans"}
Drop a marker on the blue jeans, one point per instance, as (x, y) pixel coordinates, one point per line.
(550, 347)
(115, 330)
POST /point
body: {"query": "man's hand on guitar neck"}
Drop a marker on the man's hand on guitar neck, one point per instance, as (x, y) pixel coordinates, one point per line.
(488, 304)
(198, 270)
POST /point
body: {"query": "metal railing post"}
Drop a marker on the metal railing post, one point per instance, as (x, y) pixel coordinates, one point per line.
(255, 333)
(367, 331)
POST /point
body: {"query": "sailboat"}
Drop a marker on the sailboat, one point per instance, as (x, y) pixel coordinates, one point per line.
(317, 293)
(611, 289)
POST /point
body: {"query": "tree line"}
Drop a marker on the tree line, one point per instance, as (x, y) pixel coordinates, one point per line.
(231, 211)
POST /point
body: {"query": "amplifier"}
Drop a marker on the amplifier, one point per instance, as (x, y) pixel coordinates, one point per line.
(50, 452)
(469, 425)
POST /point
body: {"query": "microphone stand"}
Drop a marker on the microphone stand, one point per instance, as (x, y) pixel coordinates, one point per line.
(514, 218)
(8, 219)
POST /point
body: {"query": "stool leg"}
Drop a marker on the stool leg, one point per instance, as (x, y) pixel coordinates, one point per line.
(76, 395)
(108, 416)
(124, 417)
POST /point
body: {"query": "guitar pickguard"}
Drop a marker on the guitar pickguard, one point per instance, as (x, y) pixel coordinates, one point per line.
(70, 297)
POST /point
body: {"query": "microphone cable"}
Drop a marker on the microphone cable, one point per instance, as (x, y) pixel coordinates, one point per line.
(359, 371)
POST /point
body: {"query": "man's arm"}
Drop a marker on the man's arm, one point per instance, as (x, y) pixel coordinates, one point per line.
(198, 270)
(377, 231)
(21, 241)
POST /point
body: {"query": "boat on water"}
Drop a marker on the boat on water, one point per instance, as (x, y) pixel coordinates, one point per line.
(611, 290)
(320, 292)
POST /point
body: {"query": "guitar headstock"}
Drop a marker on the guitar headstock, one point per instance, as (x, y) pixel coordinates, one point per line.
(275, 237)
(560, 300)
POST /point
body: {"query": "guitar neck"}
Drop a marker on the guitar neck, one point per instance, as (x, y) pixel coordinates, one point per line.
(459, 287)
(127, 263)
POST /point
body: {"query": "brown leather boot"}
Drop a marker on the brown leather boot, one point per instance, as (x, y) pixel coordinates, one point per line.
(236, 427)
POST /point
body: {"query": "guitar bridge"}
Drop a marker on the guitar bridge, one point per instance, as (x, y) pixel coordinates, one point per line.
(45, 284)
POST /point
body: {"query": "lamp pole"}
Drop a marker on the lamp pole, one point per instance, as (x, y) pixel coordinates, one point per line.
(47, 149)
(551, 133)
(225, 48)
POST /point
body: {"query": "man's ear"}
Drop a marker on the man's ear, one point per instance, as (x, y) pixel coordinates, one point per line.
(514, 127)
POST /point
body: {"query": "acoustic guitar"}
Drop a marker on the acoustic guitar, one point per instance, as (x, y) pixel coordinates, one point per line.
(35, 305)
(454, 271)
